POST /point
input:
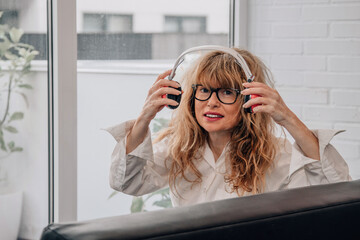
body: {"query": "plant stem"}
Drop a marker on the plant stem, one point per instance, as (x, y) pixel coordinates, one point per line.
(8, 100)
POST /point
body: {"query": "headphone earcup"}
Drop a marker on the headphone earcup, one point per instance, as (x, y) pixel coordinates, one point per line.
(246, 99)
(192, 103)
(177, 98)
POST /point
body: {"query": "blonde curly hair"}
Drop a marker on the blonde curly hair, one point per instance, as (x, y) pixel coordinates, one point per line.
(252, 147)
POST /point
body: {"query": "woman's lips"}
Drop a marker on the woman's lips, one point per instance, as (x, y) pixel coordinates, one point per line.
(212, 116)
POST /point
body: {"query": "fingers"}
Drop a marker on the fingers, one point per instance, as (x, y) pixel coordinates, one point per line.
(164, 102)
(166, 83)
(161, 83)
(155, 101)
(166, 90)
(263, 108)
(163, 86)
(260, 101)
(262, 91)
(163, 75)
(254, 84)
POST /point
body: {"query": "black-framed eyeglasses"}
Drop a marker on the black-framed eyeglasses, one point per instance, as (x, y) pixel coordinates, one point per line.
(225, 95)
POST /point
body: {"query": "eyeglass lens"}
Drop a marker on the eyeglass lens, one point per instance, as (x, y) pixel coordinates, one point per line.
(225, 95)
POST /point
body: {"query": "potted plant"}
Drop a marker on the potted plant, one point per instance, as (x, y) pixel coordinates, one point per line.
(15, 59)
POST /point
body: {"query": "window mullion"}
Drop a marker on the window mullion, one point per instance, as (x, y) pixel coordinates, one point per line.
(62, 42)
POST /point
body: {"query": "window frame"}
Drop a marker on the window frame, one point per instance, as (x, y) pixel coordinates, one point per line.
(62, 110)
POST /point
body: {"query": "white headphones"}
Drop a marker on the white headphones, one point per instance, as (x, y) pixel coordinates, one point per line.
(240, 60)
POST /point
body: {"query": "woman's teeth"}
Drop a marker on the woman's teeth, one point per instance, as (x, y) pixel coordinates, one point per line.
(213, 116)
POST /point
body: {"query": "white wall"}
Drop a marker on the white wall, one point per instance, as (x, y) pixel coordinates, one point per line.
(313, 49)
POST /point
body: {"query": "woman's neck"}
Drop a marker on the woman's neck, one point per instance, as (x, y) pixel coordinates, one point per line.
(217, 143)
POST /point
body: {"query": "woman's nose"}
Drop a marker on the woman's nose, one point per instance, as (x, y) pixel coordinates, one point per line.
(213, 100)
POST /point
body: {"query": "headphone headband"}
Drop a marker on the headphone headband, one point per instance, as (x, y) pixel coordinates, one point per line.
(240, 60)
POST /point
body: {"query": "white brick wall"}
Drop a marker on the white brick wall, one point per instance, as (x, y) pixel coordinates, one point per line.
(313, 50)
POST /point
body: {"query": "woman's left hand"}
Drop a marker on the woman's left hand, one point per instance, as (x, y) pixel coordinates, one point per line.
(269, 101)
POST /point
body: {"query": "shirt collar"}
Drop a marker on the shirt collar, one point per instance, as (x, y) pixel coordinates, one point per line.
(209, 156)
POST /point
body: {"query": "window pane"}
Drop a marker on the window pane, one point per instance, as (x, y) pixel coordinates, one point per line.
(172, 24)
(23, 120)
(119, 23)
(94, 22)
(191, 25)
(185, 24)
(115, 70)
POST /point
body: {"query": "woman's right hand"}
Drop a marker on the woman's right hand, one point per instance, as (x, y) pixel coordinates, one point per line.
(155, 101)
(153, 104)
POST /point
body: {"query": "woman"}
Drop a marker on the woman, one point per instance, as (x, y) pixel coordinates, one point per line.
(213, 149)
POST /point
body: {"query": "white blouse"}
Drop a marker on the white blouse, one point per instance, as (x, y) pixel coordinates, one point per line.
(143, 170)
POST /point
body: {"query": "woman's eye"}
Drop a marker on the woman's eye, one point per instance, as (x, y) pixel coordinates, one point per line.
(204, 90)
(227, 91)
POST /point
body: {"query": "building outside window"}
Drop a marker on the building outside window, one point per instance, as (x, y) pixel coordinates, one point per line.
(109, 23)
(185, 24)
(10, 17)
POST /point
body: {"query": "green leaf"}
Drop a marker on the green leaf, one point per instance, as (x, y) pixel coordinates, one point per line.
(17, 149)
(24, 45)
(29, 58)
(2, 146)
(162, 192)
(1, 13)
(113, 194)
(137, 204)
(25, 98)
(10, 56)
(11, 129)
(27, 86)
(159, 124)
(164, 203)
(22, 51)
(16, 34)
(16, 116)
(11, 145)
(4, 46)
(2, 142)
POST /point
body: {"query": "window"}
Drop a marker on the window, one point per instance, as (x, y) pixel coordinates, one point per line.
(111, 23)
(185, 24)
(104, 86)
(115, 72)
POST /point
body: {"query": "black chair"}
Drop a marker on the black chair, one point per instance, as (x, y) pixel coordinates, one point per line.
(329, 211)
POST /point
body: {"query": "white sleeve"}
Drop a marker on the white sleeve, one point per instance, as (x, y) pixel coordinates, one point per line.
(143, 170)
(330, 169)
